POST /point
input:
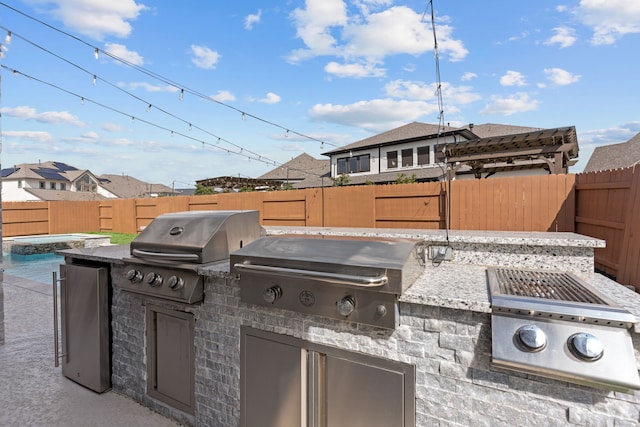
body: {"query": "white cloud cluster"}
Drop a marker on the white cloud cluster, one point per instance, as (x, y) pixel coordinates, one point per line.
(609, 19)
(563, 36)
(96, 18)
(50, 117)
(513, 78)
(204, 57)
(561, 77)
(122, 52)
(252, 19)
(270, 98)
(507, 106)
(364, 36)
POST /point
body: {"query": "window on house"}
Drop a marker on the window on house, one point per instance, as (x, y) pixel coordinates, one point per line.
(392, 159)
(342, 166)
(407, 157)
(63, 186)
(439, 155)
(423, 155)
(42, 185)
(354, 164)
(52, 185)
(85, 183)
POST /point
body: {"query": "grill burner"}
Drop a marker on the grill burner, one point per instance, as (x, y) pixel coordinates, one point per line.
(553, 324)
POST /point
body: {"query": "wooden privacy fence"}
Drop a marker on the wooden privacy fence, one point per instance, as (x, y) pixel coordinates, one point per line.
(540, 203)
(608, 207)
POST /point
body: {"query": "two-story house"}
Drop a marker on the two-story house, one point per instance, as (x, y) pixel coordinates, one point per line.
(425, 150)
(59, 181)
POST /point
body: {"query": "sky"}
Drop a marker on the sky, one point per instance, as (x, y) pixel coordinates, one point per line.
(173, 92)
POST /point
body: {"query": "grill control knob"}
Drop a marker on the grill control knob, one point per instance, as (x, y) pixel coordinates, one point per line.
(153, 279)
(346, 305)
(532, 338)
(272, 294)
(134, 276)
(175, 283)
(586, 346)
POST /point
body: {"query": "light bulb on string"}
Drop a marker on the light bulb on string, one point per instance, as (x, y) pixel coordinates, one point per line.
(181, 96)
(96, 53)
(148, 108)
(286, 134)
(243, 117)
(189, 126)
(7, 39)
(82, 100)
(95, 79)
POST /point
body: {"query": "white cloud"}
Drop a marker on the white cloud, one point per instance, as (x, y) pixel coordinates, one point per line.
(375, 115)
(564, 36)
(271, 98)
(610, 20)
(354, 70)
(122, 52)
(149, 87)
(90, 136)
(252, 19)
(416, 90)
(50, 117)
(518, 103)
(513, 78)
(204, 57)
(468, 76)
(223, 96)
(96, 18)
(326, 28)
(561, 77)
(111, 127)
(28, 135)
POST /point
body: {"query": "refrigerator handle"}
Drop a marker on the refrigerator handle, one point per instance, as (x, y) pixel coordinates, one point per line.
(56, 349)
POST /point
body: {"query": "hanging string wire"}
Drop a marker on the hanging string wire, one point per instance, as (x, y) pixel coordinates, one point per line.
(165, 80)
(145, 102)
(242, 152)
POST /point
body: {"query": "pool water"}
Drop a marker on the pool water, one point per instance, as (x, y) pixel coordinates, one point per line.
(38, 267)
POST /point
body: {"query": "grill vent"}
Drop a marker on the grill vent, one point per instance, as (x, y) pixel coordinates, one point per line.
(545, 285)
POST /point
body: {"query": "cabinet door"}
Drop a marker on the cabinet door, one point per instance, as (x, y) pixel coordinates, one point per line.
(272, 383)
(85, 326)
(360, 394)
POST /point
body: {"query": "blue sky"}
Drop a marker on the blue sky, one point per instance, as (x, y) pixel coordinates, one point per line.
(237, 88)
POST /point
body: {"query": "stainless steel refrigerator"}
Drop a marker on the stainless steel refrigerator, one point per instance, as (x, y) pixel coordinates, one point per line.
(85, 326)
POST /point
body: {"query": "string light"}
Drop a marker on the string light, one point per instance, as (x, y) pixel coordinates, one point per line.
(7, 40)
(95, 79)
(96, 53)
(181, 96)
(148, 108)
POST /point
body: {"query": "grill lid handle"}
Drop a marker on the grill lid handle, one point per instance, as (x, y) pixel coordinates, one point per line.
(161, 255)
(342, 279)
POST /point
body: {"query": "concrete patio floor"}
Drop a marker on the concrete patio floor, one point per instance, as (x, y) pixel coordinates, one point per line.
(32, 391)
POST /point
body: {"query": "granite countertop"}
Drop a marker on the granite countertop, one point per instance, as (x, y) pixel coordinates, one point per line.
(109, 253)
(466, 287)
(458, 236)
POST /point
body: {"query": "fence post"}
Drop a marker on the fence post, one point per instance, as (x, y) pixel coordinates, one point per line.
(630, 251)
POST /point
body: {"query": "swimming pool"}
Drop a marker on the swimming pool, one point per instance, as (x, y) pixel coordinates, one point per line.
(34, 267)
(46, 243)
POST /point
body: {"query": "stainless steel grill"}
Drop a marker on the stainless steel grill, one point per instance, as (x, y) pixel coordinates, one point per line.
(168, 253)
(348, 279)
(554, 324)
(544, 284)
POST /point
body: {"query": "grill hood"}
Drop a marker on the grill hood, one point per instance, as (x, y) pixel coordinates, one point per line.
(196, 236)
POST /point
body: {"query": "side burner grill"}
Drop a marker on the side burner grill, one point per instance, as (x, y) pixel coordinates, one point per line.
(545, 284)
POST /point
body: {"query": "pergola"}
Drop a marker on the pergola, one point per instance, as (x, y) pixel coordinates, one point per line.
(550, 149)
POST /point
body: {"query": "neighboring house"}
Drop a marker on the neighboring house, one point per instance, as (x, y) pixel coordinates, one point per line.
(615, 156)
(297, 170)
(58, 181)
(128, 187)
(481, 151)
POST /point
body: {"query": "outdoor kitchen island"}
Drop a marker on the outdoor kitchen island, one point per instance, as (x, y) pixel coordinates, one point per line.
(440, 349)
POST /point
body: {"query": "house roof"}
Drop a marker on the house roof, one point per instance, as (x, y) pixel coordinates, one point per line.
(488, 130)
(406, 133)
(615, 156)
(59, 195)
(298, 168)
(125, 186)
(48, 170)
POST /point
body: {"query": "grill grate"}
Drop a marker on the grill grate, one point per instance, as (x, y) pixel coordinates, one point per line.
(545, 285)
